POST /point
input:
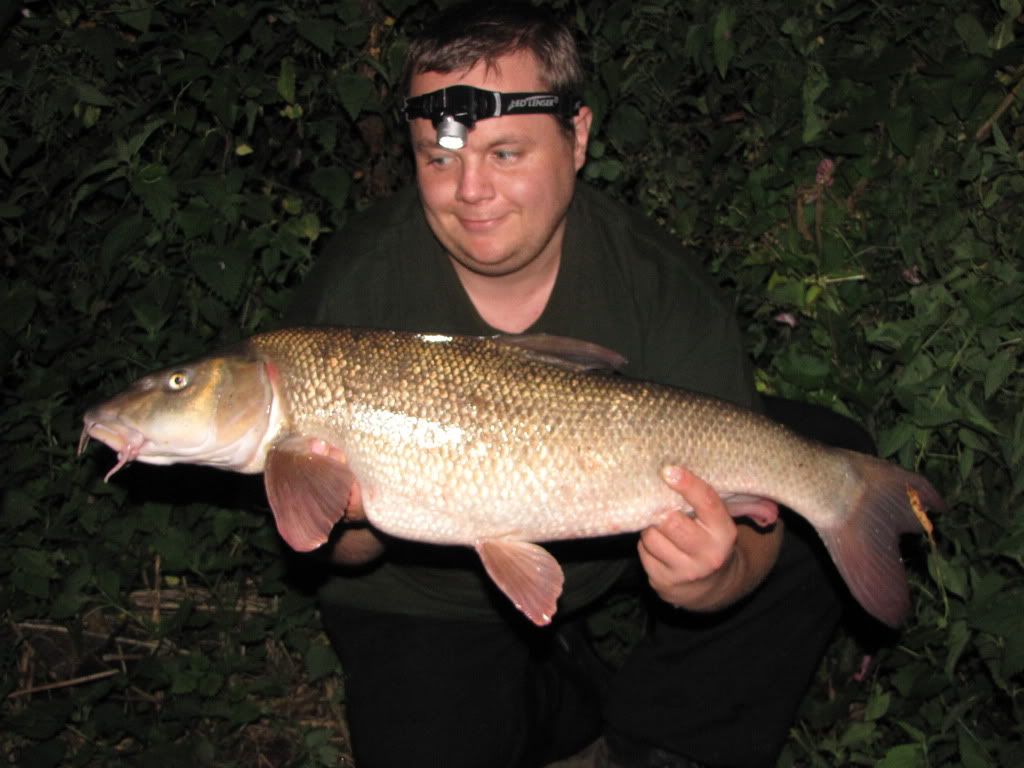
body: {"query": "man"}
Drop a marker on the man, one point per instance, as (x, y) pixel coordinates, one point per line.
(498, 237)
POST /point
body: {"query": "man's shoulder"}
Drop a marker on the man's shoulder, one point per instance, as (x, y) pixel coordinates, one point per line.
(641, 251)
(359, 265)
(608, 216)
(386, 226)
(377, 240)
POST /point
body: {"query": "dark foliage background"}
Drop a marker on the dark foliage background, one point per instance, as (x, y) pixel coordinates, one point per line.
(853, 172)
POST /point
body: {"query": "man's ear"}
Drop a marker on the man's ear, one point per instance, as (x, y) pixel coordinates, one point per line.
(581, 135)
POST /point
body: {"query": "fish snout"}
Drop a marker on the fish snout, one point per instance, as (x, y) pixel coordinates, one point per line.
(123, 439)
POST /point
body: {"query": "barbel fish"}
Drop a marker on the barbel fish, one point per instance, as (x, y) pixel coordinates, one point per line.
(498, 444)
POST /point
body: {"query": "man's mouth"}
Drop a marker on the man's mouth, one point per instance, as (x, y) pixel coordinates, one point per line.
(480, 224)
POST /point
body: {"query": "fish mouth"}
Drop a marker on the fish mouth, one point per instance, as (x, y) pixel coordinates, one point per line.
(126, 441)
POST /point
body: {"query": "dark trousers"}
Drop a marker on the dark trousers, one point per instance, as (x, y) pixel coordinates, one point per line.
(457, 694)
(721, 689)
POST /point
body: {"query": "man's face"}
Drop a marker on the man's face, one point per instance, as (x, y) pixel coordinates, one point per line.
(499, 203)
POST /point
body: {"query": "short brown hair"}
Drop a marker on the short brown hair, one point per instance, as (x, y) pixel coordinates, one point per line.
(467, 33)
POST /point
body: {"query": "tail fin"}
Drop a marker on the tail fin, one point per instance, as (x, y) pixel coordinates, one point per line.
(865, 546)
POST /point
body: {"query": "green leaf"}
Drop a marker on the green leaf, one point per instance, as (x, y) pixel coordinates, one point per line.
(722, 39)
(1013, 656)
(40, 720)
(973, 416)
(973, 34)
(353, 92)
(286, 80)
(138, 140)
(320, 32)
(877, 705)
(903, 129)
(19, 304)
(139, 20)
(959, 639)
(222, 271)
(935, 413)
(207, 43)
(803, 370)
(890, 441)
(17, 508)
(150, 317)
(156, 190)
(972, 753)
(815, 83)
(32, 571)
(1000, 615)
(90, 94)
(398, 7)
(320, 661)
(628, 126)
(332, 184)
(949, 574)
(857, 733)
(175, 548)
(999, 369)
(903, 756)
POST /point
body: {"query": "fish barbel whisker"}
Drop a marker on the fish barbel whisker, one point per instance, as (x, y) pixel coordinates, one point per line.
(126, 455)
(83, 441)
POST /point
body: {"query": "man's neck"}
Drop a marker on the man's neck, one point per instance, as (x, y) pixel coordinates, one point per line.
(511, 303)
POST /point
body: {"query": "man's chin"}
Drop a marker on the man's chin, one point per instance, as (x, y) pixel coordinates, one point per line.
(489, 264)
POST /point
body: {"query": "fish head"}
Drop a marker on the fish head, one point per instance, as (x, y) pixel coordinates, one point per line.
(217, 411)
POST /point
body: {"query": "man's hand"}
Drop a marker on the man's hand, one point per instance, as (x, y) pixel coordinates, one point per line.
(705, 562)
(359, 543)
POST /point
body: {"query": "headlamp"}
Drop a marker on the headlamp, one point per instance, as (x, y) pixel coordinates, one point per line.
(455, 109)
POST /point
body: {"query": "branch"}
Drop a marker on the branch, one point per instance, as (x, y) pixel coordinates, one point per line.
(986, 128)
(64, 683)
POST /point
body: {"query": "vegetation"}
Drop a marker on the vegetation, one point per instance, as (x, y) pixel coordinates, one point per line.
(852, 170)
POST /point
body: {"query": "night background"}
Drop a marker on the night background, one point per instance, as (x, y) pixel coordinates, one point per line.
(851, 172)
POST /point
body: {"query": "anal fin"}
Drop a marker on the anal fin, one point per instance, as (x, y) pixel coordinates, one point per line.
(308, 492)
(527, 573)
(762, 511)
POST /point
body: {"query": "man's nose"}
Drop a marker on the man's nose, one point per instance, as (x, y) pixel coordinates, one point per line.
(475, 182)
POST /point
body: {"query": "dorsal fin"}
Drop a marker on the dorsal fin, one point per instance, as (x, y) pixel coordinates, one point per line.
(570, 354)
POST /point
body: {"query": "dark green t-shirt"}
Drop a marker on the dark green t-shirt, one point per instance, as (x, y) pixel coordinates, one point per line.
(622, 283)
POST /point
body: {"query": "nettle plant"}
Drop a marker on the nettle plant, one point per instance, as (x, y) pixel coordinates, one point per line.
(851, 172)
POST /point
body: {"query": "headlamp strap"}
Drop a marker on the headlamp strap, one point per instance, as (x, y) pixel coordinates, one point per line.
(467, 104)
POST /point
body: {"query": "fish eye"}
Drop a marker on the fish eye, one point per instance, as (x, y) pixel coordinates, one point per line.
(177, 380)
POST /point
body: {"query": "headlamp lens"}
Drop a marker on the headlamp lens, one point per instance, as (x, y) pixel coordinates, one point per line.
(451, 134)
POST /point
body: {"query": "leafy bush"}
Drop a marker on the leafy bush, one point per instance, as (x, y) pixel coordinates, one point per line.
(852, 171)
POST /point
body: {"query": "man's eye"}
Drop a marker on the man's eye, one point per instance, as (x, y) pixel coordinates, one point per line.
(439, 161)
(506, 155)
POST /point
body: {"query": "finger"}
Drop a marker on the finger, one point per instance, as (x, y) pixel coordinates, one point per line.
(354, 510)
(667, 550)
(682, 532)
(707, 504)
(664, 564)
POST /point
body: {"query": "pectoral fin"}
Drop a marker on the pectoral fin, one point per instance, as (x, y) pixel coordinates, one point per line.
(527, 573)
(308, 492)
